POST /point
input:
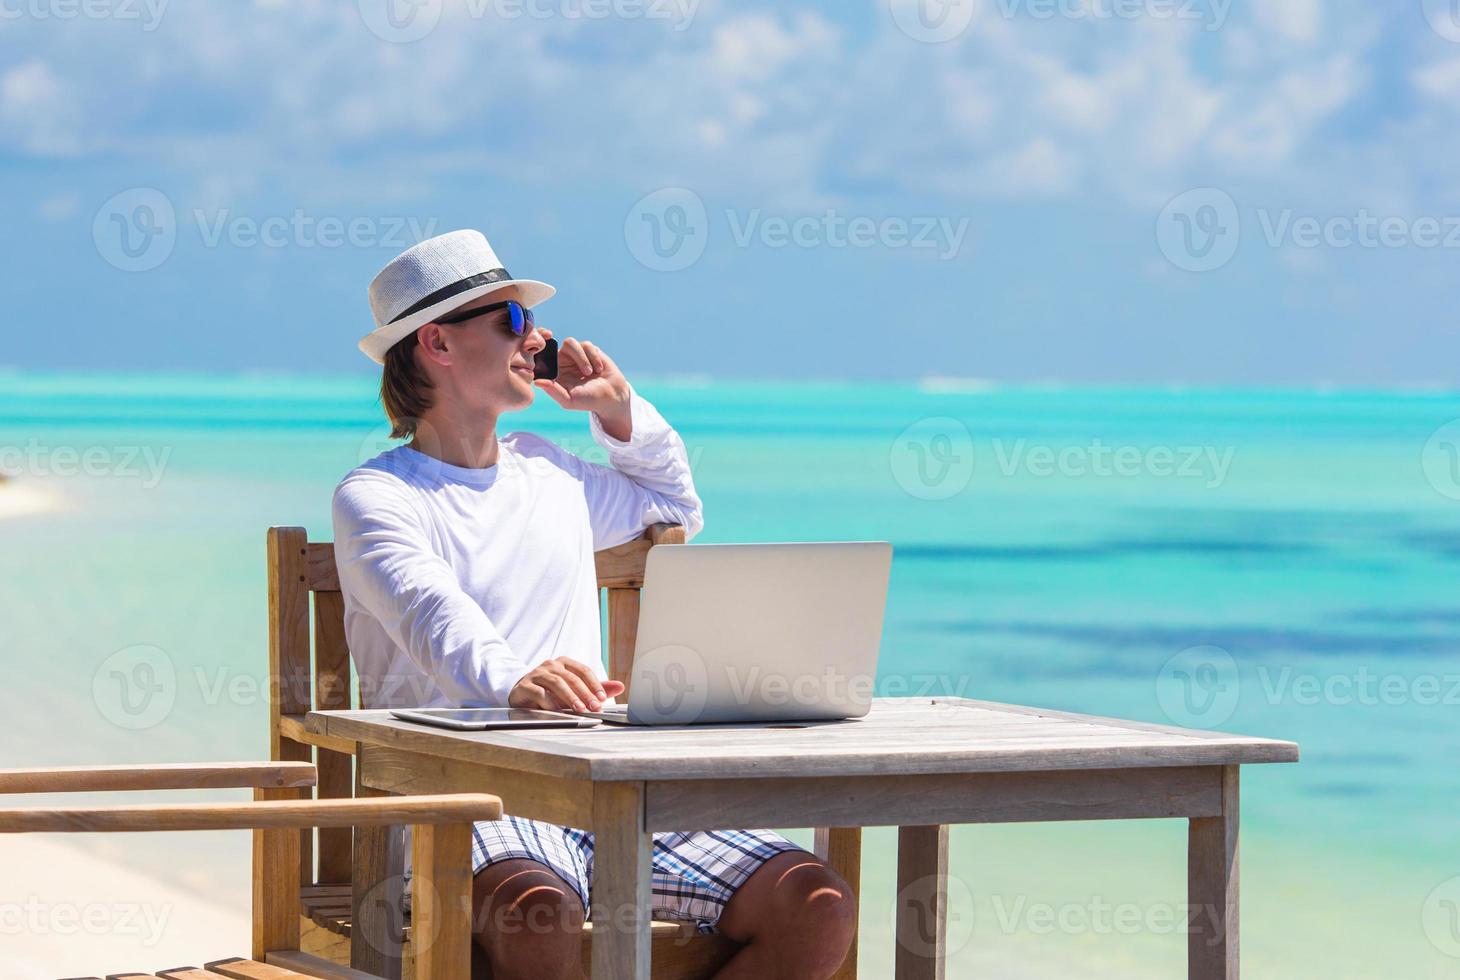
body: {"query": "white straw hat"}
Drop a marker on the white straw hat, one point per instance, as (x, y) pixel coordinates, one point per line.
(436, 277)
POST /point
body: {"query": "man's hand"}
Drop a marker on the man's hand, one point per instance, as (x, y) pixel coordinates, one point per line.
(562, 684)
(589, 381)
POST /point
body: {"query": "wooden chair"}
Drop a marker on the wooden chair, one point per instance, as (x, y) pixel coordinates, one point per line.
(281, 807)
(300, 569)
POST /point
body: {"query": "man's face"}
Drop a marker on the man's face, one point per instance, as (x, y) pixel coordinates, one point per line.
(490, 367)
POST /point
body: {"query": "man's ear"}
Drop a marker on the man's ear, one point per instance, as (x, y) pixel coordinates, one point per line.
(431, 340)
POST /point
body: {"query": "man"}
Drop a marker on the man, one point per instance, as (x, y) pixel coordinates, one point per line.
(466, 562)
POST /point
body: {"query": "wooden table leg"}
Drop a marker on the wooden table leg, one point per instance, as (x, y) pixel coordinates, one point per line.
(1211, 876)
(621, 877)
(377, 929)
(841, 849)
(922, 902)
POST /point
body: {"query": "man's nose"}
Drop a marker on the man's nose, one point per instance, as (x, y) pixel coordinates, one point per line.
(537, 339)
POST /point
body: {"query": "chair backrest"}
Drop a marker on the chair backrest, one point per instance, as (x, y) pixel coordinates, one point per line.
(302, 679)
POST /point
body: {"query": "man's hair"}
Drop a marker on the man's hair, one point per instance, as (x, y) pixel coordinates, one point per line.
(405, 391)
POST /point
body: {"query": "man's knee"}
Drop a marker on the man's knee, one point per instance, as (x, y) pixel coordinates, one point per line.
(801, 907)
(527, 919)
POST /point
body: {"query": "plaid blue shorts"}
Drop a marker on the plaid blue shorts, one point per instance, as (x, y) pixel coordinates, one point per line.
(694, 874)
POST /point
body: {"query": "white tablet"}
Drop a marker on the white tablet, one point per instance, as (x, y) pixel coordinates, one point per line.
(487, 719)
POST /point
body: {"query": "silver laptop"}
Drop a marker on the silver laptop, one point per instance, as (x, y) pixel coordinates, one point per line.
(757, 633)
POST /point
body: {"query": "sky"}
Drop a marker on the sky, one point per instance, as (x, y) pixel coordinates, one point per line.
(1077, 191)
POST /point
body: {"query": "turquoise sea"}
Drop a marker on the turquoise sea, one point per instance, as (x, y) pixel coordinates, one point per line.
(1279, 563)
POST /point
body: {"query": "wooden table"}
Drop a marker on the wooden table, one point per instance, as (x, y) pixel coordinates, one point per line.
(916, 763)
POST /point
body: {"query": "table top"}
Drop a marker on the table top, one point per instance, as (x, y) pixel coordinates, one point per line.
(898, 736)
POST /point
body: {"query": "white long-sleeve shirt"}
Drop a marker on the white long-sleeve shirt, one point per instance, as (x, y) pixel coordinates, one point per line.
(459, 581)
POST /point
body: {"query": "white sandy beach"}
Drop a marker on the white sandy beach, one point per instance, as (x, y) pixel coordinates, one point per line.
(20, 500)
(68, 911)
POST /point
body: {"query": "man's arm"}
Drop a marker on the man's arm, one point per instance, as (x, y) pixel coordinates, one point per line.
(648, 482)
(388, 568)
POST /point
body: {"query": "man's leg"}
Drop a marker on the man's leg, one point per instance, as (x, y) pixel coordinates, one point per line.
(528, 920)
(796, 917)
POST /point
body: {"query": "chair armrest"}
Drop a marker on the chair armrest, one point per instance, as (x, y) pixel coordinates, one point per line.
(194, 775)
(455, 808)
(665, 534)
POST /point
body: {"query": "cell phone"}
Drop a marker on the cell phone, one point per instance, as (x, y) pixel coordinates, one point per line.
(545, 361)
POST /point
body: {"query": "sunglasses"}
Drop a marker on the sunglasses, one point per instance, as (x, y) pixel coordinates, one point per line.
(521, 315)
(545, 361)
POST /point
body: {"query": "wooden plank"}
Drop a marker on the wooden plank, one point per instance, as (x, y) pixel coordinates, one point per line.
(246, 816)
(315, 966)
(276, 859)
(184, 775)
(841, 849)
(623, 627)
(622, 567)
(289, 687)
(899, 736)
(240, 969)
(377, 908)
(130, 976)
(922, 902)
(441, 901)
(621, 873)
(188, 973)
(293, 727)
(1013, 797)
(332, 693)
(321, 573)
(524, 794)
(1212, 946)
